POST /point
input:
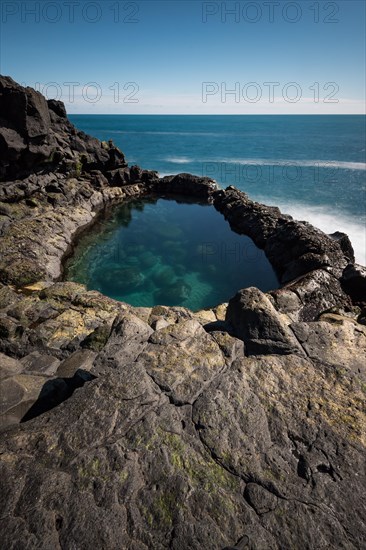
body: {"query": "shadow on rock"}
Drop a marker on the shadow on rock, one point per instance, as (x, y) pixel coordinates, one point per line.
(55, 391)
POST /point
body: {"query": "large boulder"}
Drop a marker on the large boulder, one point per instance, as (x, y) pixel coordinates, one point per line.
(23, 109)
(256, 321)
(354, 282)
(344, 242)
(307, 296)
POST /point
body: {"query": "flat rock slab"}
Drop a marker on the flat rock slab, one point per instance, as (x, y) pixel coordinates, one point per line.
(81, 360)
(21, 392)
(37, 363)
(336, 341)
(182, 359)
(9, 366)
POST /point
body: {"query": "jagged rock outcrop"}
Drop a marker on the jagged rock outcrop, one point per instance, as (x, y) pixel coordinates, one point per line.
(36, 135)
(150, 428)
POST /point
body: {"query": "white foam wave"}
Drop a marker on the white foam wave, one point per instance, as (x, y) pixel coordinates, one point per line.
(178, 160)
(329, 222)
(332, 164)
(300, 162)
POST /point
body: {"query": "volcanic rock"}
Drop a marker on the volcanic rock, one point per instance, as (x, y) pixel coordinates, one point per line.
(241, 426)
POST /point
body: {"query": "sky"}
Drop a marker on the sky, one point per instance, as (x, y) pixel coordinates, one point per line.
(189, 57)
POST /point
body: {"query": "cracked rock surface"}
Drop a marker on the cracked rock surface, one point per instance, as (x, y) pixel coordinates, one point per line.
(178, 439)
(241, 426)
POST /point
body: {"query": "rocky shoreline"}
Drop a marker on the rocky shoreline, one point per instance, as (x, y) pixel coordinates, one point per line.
(242, 426)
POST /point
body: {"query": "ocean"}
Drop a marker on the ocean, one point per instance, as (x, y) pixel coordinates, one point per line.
(312, 167)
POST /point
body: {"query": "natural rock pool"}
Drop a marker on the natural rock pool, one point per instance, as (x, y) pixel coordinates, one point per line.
(168, 252)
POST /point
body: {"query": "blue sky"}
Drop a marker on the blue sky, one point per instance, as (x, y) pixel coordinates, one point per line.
(184, 56)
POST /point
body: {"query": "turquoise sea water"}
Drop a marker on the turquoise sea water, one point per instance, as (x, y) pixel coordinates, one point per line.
(312, 167)
(157, 251)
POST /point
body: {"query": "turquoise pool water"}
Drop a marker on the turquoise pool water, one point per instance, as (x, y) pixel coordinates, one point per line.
(166, 252)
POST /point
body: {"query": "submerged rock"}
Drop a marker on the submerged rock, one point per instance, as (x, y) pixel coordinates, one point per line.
(125, 279)
(173, 293)
(164, 277)
(141, 428)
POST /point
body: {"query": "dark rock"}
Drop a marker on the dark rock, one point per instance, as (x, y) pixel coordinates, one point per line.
(98, 179)
(345, 244)
(259, 325)
(11, 146)
(24, 109)
(56, 391)
(256, 443)
(260, 499)
(336, 341)
(35, 135)
(57, 107)
(9, 366)
(186, 184)
(120, 176)
(362, 317)
(297, 248)
(97, 339)
(35, 363)
(293, 248)
(307, 297)
(20, 393)
(303, 468)
(182, 358)
(116, 157)
(149, 176)
(245, 216)
(81, 360)
(128, 338)
(232, 348)
(354, 282)
(136, 173)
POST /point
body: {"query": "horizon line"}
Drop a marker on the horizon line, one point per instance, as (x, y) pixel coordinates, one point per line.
(216, 114)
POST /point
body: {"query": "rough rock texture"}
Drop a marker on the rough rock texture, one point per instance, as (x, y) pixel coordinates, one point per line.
(36, 134)
(150, 428)
(182, 440)
(259, 325)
